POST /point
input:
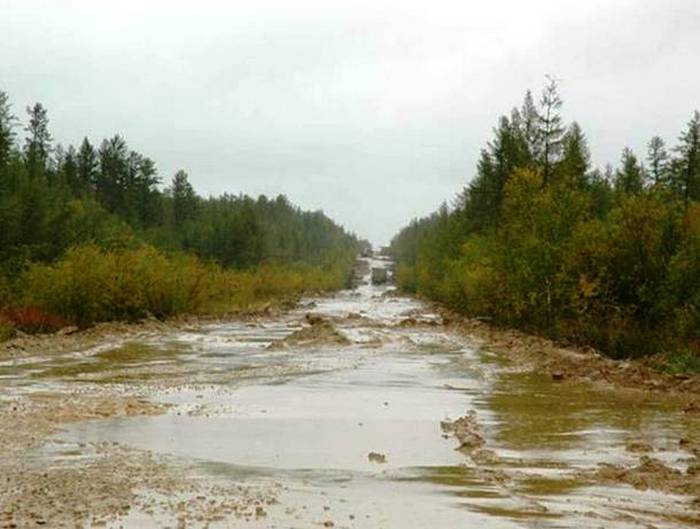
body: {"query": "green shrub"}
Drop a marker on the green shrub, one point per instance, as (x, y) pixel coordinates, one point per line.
(681, 362)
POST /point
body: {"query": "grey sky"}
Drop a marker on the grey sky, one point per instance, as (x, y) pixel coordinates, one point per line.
(373, 111)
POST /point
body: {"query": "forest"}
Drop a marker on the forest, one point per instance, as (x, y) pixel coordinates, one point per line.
(92, 233)
(541, 240)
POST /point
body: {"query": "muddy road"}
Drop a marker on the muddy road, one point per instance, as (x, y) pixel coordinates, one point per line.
(358, 410)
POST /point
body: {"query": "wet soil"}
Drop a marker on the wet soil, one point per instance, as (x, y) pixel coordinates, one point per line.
(365, 409)
(534, 353)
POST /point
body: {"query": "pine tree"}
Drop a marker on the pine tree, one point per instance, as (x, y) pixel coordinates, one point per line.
(88, 166)
(7, 134)
(37, 146)
(687, 174)
(69, 170)
(576, 156)
(184, 198)
(113, 174)
(551, 130)
(658, 160)
(148, 196)
(629, 178)
(529, 123)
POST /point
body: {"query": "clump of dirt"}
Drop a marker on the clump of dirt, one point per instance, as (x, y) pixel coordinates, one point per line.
(649, 473)
(319, 332)
(467, 431)
(418, 322)
(638, 447)
(376, 457)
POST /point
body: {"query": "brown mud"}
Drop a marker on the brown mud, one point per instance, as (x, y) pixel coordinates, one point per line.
(317, 332)
(567, 363)
(351, 390)
(97, 483)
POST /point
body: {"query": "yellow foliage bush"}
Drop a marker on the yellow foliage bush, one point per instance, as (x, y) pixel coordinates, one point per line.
(92, 284)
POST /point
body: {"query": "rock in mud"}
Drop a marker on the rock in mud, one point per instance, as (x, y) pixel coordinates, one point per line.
(313, 319)
(65, 331)
(467, 431)
(376, 457)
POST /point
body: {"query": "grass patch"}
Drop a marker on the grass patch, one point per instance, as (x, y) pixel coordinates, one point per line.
(682, 362)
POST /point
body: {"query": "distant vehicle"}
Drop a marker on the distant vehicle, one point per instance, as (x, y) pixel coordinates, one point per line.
(367, 252)
(379, 276)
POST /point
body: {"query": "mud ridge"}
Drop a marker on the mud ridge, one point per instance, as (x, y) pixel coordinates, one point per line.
(535, 353)
(317, 332)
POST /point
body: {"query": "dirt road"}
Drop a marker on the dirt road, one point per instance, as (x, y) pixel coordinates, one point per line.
(358, 410)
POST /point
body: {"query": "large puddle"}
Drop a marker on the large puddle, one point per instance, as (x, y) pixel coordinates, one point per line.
(307, 418)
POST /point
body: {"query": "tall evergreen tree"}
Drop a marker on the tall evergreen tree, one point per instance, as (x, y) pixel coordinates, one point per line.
(37, 146)
(113, 175)
(88, 166)
(7, 133)
(551, 129)
(576, 156)
(146, 192)
(657, 157)
(687, 174)
(184, 198)
(629, 178)
(69, 170)
(529, 120)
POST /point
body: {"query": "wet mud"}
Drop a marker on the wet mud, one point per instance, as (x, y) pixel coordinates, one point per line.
(365, 409)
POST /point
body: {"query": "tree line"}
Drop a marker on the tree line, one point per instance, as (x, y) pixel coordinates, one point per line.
(55, 198)
(542, 240)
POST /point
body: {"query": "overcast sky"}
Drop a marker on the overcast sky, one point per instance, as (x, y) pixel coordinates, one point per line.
(373, 111)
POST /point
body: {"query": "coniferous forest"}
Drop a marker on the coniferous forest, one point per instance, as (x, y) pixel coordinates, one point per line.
(541, 240)
(93, 232)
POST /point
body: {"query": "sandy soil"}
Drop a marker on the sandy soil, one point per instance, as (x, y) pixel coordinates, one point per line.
(79, 490)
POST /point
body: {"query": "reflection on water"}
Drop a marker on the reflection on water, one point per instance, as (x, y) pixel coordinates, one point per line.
(307, 418)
